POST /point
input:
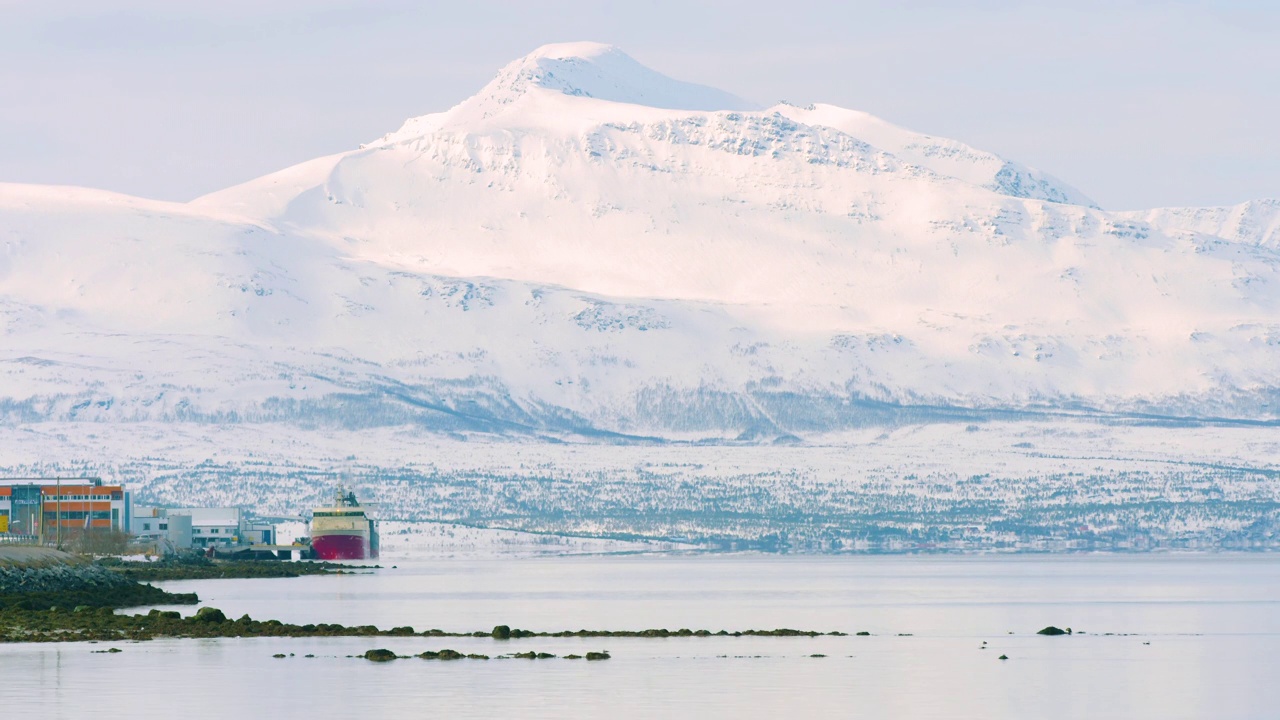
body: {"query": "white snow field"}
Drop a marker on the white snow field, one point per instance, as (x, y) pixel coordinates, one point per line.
(589, 251)
(994, 484)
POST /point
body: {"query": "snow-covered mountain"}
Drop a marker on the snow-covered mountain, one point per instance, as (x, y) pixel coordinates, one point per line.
(589, 248)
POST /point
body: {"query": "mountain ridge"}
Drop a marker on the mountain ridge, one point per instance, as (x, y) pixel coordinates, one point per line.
(555, 254)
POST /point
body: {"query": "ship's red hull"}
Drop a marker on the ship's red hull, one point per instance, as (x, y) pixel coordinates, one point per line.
(342, 547)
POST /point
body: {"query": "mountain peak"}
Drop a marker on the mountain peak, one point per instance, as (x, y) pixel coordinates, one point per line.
(583, 49)
(569, 71)
(603, 72)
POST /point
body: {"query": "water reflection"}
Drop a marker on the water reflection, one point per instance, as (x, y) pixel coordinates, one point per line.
(1211, 623)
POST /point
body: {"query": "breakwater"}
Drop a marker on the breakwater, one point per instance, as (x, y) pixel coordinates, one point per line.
(38, 578)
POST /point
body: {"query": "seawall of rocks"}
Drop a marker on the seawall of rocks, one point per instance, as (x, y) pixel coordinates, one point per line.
(35, 578)
(62, 577)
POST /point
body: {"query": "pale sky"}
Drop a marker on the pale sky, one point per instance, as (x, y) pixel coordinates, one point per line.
(1139, 104)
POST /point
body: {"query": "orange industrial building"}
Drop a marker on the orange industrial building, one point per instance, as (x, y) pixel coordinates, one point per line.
(37, 507)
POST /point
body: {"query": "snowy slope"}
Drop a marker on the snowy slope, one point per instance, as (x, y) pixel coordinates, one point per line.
(1256, 222)
(941, 155)
(586, 248)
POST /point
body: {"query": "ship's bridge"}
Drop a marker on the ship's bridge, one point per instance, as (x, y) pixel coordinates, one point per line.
(337, 512)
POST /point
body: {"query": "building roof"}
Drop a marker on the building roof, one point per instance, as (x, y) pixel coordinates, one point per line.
(96, 481)
(210, 516)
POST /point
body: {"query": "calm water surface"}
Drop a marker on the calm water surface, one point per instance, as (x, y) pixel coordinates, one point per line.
(1195, 637)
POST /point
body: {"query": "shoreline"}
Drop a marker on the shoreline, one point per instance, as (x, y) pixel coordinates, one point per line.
(103, 623)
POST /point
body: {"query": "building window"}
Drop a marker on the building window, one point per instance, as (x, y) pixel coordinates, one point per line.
(164, 526)
(214, 531)
(146, 527)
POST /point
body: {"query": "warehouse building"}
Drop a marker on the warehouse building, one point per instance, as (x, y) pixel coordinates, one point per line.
(56, 510)
(195, 527)
(45, 509)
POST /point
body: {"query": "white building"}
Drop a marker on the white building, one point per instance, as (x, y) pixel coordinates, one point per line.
(218, 527)
(151, 524)
(201, 527)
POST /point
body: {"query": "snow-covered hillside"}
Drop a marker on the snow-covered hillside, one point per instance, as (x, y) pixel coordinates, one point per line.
(589, 249)
(979, 486)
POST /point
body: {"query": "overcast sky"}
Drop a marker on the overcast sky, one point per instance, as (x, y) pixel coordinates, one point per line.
(1139, 104)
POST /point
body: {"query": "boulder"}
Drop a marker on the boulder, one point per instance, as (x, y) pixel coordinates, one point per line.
(210, 615)
(379, 655)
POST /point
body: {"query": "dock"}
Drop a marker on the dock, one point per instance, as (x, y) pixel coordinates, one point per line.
(261, 552)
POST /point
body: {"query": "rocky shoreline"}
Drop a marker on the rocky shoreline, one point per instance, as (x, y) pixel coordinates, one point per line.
(36, 579)
(198, 567)
(50, 596)
(67, 623)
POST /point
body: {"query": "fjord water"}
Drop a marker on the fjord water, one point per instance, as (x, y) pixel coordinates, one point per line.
(1192, 637)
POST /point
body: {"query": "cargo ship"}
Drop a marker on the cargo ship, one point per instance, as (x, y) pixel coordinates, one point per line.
(343, 531)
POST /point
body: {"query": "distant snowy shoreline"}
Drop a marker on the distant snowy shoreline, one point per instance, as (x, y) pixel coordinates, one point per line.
(937, 487)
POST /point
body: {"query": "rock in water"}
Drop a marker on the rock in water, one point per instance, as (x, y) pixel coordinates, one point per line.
(379, 655)
(1051, 630)
(210, 615)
